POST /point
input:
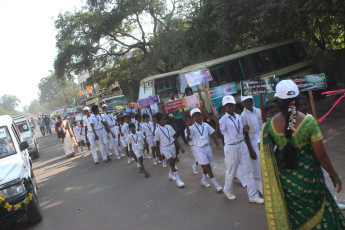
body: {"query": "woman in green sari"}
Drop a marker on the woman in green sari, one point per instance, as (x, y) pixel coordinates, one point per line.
(295, 193)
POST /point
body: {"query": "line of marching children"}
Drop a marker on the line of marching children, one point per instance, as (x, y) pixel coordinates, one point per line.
(131, 136)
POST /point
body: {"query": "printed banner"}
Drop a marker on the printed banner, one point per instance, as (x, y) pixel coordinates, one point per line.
(129, 110)
(186, 103)
(255, 87)
(148, 101)
(133, 105)
(93, 101)
(198, 77)
(310, 82)
(222, 90)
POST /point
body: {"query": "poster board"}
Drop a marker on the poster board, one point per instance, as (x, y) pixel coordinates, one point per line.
(310, 82)
(256, 87)
(198, 77)
(186, 103)
(148, 101)
(222, 90)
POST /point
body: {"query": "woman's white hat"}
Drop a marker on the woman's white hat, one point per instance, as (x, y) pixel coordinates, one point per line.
(286, 89)
(196, 110)
(86, 108)
(228, 99)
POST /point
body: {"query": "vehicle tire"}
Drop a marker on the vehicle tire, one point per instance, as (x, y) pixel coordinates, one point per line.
(34, 213)
(35, 155)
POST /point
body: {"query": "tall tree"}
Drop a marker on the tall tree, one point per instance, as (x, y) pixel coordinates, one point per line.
(35, 107)
(9, 102)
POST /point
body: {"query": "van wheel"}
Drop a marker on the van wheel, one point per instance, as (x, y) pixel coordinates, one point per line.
(35, 155)
(34, 213)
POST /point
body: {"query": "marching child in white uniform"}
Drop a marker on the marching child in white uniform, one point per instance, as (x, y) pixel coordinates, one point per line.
(100, 134)
(139, 127)
(76, 131)
(200, 132)
(149, 132)
(82, 136)
(136, 141)
(90, 135)
(236, 152)
(188, 123)
(108, 118)
(165, 140)
(251, 116)
(124, 137)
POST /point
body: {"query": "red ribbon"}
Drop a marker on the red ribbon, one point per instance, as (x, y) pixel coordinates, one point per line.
(335, 104)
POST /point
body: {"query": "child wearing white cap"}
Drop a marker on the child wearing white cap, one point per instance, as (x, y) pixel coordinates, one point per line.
(109, 120)
(165, 139)
(251, 116)
(200, 132)
(236, 151)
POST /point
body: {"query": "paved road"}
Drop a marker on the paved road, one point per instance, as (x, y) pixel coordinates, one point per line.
(77, 194)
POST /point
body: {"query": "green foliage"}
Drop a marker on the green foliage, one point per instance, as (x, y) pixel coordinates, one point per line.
(55, 93)
(9, 102)
(127, 40)
(35, 107)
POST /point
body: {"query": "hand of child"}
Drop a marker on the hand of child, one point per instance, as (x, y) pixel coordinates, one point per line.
(182, 150)
(113, 135)
(252, 154)
(96, 138)
(246, 129)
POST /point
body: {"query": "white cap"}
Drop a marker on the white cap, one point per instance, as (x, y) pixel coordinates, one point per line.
(243, 98)
(286, 89)
(86, 108)
(104, 105)
(228, 99)
(196, 110)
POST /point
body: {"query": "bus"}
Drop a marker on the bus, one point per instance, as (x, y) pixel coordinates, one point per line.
(283, 59)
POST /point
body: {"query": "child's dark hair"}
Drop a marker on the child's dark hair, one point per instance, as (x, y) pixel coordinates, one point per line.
(187, 115)
(145, 115)
(94, 108)
(289, 157)
(136, 116)
(120, 118)
(269, 106)
(131, 125)
(159, 116)
(125, 116)
(188, 89)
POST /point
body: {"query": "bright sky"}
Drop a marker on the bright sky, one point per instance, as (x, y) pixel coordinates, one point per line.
(27, 44)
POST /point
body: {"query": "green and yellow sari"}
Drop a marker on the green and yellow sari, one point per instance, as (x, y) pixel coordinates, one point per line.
(298, 198)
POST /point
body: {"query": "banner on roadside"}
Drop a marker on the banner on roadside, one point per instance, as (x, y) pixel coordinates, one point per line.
(186, 103)
(310, 82)
(148, 101)
(198, 77)
(223, 90)
(256, 87)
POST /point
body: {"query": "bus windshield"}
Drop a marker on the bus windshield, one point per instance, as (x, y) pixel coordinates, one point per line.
(6, 143)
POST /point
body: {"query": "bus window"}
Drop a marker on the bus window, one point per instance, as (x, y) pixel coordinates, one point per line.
(300, 51)
(163, 86)
(218, 74)
(257, 63)
(271, 59)
(235, 71)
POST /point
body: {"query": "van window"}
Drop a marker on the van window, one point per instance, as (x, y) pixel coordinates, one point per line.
(6, 143)
(15, 131)
(23, 126)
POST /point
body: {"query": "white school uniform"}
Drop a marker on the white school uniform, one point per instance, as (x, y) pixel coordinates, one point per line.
(125, 131)
(191, 144)
(76, 131)
(254, 137)
(109, 118)
(82, 134)
(148, 128)
(91, 138)
(201, 136)
(236, 153)
(165, 137)
(137, 140)
(102, 141)
(140, 127)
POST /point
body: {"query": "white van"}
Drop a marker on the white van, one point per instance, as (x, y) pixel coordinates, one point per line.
(18, 189)
(27, 132)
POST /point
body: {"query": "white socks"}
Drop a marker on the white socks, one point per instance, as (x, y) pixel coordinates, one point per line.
(176, 176)
(214, 181)
(204, 177)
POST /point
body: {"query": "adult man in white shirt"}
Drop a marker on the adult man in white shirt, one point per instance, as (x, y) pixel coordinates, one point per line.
(109, 120)
(89, 134)
(100, 134)
(236, 151)
(251, 116)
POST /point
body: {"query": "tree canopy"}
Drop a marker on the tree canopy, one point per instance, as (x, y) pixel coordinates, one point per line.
(131, 39)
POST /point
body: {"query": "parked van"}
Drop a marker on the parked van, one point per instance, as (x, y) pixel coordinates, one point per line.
(28, 134)
(18, 189)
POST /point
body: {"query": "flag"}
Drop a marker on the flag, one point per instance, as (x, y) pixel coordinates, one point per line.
(80, 93)
(88, 89)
